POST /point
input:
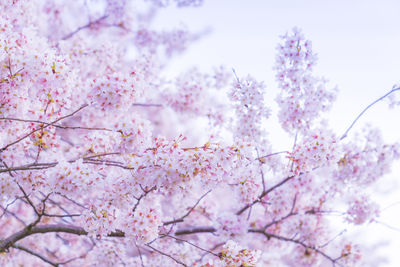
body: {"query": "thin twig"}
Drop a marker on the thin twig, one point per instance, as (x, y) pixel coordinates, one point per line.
(12, 214)
(369, 106)
(146, 105)
(272, 154)
(264, 193)
(84, 27)
(190, 243)
(167, 255)
(388, 226)
(35, 254)
(299, 242)
(140, 255)
(262, 172)
(290, 214)
(181, 219)
(43, 127)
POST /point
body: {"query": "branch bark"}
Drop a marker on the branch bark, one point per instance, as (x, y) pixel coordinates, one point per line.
(5, 244)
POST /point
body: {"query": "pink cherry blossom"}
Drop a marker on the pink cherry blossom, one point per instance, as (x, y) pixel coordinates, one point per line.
(107, 159)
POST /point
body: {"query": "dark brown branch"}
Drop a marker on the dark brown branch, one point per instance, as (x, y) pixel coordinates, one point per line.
(190, 243)
(6, 165)
(7, 206)
(47, 165)
(57, 125)
(50, 228)
(167, 255)
(58, 205)
(28, 199)
(298, 242)
(43, 127)
(290, 214)
(264, 193)
(195, 230)
(71, 200)
(268, 235)
(140, 254)
(5, 211)
(142, 196)
(181, 219)
(22, 248)
(10, 241)
(26, 168)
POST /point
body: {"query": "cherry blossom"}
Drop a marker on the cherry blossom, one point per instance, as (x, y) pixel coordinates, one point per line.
(107, 159)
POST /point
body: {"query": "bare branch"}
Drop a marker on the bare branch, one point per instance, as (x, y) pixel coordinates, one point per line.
(50, 228)
(5, 211)
(91, 23)
(388, 226)
(22, 248)
(190, 243)
(290, 214)
(57, 125)
(299, 242)
(262, 158)
(264, 193)
(146, 105)
(368, 107)
(142, 196)
(167, 255)
(195, 230)
(140, 254)
(181, 219)
(43, 127)
(28, 199)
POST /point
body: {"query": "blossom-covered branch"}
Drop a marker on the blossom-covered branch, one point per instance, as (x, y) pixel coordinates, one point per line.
(106, 158)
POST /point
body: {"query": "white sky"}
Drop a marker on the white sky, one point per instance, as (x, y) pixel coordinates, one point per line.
(358, 45)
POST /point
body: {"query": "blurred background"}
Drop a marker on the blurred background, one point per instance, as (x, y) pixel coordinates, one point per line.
(358, 46)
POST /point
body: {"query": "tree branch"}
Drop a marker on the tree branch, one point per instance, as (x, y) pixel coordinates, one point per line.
(57, 125)
(296, 241)
(22, 248)
(190, 243)
(167, 255)
(196, 230)
(264, 193)
(84, 27)
(50, 228)
(181, 219)
(43, 127)
(368, 107)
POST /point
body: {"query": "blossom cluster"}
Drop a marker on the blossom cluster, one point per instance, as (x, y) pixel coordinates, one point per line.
(196, 94)
(235, 255)
(303, 96)
(247, 97)
(364, 161)
(112, 92)
(314, 151)
(144, 222)
(362, 210)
